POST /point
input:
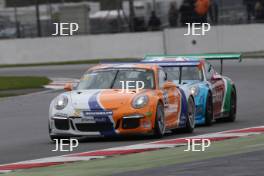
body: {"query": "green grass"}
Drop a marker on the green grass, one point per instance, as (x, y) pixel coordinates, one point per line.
(3, 95)
(155, 159)
(8, 83)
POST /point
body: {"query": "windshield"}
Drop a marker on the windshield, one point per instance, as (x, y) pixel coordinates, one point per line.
(188, 73)
(117, 79)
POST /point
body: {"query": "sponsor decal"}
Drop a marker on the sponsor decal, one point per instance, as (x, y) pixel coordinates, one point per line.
(60, 115)
(104, 116)
(218, 96)
(88, 119)
(199, 110)
(77, 113)
(165, 98)
(184, 107)
(97, 113)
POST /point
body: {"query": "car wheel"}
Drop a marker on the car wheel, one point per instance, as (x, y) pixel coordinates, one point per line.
(190, 123)
(159, 129)
(233, 107)
(209, 113)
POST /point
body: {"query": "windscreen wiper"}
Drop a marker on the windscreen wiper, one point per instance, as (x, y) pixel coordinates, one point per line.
(113, 82)
(180, 77)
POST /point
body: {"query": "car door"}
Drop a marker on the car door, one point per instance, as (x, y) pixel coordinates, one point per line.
(171, 99)
(218, 88)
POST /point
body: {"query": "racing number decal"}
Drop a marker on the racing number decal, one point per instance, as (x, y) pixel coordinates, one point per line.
(218, 96)
(166, 98)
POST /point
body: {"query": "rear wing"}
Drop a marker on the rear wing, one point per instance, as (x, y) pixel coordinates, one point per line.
(220, 57)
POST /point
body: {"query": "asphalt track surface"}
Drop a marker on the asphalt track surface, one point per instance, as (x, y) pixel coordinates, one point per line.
(247, 164)
(24, 119)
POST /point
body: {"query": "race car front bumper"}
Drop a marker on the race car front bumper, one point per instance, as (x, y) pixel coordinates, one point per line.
(80, 126)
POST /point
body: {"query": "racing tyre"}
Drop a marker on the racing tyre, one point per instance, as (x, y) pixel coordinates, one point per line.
(190, 123)
(233, 106)
(159, 129)
(209, 113)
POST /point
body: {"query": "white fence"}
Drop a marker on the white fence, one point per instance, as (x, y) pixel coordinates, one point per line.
(237, 38)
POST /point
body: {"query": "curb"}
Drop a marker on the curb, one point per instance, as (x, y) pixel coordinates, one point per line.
(125, 150)
(59, 83)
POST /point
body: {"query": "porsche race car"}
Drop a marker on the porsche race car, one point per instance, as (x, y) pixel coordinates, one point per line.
(103, 105)
(215, 95)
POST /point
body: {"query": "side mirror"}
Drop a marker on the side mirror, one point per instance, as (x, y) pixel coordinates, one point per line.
(216, 77)
(169, 85)
(68, 87)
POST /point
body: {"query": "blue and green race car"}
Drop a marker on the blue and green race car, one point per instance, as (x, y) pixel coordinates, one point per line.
(215, 95)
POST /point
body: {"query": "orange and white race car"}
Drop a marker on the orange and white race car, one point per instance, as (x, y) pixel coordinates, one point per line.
(113, 99)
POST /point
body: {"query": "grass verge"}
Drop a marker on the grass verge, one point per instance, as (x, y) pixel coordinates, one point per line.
(22, 82)
(16, 85)
(3, 95)
(147, 160)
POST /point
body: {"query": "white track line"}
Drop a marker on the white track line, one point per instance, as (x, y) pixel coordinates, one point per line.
(61, 159)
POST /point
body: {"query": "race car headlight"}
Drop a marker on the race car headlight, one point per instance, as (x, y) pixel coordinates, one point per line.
(140, 102)
(61, 102)
(194, 91)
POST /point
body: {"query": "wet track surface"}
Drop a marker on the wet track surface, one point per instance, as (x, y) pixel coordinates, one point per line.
(24, 119)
